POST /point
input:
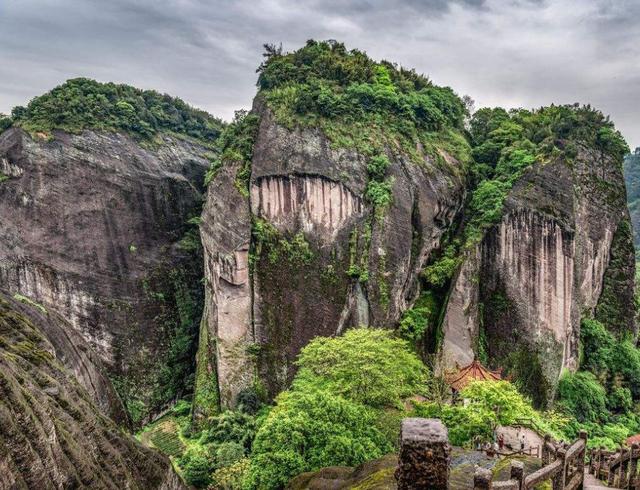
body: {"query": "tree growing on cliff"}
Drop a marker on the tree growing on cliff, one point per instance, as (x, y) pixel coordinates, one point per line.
(336, 410)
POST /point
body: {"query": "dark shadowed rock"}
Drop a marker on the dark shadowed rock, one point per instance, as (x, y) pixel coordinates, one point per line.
(301, 253)
(90, 229)
(562, 250)
(52, 435)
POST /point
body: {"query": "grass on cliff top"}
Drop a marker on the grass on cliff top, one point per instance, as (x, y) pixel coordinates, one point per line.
(82, 103)
(362, 104)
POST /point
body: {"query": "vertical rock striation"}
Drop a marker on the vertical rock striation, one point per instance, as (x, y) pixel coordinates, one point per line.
(301, 253)
(540, 270)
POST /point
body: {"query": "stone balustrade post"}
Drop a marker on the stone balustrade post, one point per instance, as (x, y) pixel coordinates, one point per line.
(558, 481)
(482, 479)
(424, 457)
(583, 454)
(624, 468)
(517, 472)
(545, 450)
(612, 474)
(600, 463)
(633, 465)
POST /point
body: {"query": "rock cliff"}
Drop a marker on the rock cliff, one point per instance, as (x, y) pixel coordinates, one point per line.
(303, 252)
(92, 228)
(561, 251)
(52, 435)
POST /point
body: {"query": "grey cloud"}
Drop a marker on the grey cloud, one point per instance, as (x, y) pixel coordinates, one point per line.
(501, 52)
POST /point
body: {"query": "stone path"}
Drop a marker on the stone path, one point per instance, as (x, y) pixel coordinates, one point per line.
(591, 482)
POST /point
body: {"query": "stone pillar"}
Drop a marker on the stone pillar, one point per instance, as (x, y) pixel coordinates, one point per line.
(482, 479)
(546, 457)
(633, 465)
(612, 472)
(557, 483)
(583, 454)
(517, 472)
(424, 459)
(624, 467)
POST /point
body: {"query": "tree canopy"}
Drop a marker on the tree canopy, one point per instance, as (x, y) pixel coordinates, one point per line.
(82, 103)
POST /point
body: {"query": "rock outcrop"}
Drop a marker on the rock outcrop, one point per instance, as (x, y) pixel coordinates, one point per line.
(52, 435)
(522, 291)
(302, 252)
(91, 229)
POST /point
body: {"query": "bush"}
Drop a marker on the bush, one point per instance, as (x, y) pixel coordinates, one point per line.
(230, 426)
(308, 430)
(228, 453)
(368, 366)
(489, 403)
(82, 103)
(197, 468)
(583, 396)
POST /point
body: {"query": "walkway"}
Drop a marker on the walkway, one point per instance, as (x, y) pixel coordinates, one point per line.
(591, 482)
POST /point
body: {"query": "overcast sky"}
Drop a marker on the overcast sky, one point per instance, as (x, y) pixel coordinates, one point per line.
(511, 53)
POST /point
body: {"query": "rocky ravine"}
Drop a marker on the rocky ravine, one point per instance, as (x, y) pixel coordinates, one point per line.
(520, 294)
(52, 435)
(276, 258)
(90, 229)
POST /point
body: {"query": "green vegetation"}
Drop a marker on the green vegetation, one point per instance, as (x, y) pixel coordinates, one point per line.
(489, 403)
(82, 103)
(601, 396)
(235, 145)
(30, 302)
(362, 104)
(216, 454)
(343, 365)
(505, 144)
(346, 393)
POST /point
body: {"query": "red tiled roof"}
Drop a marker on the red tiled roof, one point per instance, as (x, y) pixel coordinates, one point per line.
(474, 371)
(632, 439)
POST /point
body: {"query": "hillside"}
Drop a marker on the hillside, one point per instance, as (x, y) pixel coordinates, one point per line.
(262, 299)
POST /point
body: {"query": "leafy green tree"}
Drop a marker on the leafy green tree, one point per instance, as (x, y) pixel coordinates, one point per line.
(368, 366)
(82, 103)
(583, 396)
(196, 468)
(308, 430)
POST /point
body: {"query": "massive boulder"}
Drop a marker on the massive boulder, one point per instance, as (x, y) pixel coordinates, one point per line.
(562, 251)
(92, 225)
(303, 252)
(52, 434)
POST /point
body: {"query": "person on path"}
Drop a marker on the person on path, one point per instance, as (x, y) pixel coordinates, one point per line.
(522, 439)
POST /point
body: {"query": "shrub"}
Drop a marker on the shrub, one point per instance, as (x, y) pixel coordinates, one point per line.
(308, 430)
(83, 103)
(368, 366)
(197, 468)
(583, 396)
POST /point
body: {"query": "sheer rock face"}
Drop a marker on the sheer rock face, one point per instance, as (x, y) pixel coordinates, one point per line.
(267, 297)
(52, 435)
(90, 224)
(542, 269)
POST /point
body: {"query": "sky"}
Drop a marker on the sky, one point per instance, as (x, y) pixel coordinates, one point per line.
(511, 53)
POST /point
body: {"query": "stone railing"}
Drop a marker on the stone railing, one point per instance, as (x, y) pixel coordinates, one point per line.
(619, 469)
(425, 458)
(563, 466)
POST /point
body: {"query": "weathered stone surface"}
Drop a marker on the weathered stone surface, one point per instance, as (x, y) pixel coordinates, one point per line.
(90, 224)
(541, 270)
(52, 435)
(425, 455)
(312, 196)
